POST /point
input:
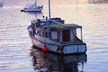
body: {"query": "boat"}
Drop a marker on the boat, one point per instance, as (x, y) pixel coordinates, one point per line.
(52, 34)
(33, 7)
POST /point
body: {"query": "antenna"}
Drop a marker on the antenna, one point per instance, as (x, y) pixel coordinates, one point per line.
(49, 9)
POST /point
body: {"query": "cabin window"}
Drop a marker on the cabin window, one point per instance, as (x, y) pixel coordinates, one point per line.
(36, 31)
(43, 34)
(54, 35)
(66, 35)
(39, 33)
(46, 34)
(73, 35)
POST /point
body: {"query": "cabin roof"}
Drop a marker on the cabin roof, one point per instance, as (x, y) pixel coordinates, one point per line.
(66, 26)
(56, 25)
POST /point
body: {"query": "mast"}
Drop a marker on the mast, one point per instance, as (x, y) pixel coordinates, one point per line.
(49, 12)
(35, 2)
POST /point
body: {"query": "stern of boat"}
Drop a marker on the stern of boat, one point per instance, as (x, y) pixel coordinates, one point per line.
(73, 49)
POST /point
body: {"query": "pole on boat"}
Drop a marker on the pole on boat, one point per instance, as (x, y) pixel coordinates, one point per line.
(35, 2)
(49, 12)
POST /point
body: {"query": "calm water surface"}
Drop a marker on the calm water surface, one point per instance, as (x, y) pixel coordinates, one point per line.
(15, 44)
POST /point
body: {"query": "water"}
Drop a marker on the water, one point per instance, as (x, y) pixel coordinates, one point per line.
(58, 63)
(15, 44)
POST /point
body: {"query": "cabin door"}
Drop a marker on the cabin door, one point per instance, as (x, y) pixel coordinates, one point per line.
(66, 35)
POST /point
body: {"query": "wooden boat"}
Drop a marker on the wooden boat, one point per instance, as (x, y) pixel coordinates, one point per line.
(54, 35)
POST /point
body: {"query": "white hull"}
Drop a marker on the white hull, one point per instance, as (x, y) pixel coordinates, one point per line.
(39, 9)
(34, 9)
(39, 42)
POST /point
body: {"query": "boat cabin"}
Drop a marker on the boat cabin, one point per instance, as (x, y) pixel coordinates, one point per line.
(65, 33)
(58, 31)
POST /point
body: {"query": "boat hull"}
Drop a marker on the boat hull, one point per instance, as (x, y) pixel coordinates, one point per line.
(37, 9)
(61, 49)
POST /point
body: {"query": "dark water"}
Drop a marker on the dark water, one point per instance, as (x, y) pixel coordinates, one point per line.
(48, 62)
(15, 44)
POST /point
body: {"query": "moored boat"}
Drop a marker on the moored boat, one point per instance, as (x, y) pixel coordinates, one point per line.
(33, 7)
(54, 35)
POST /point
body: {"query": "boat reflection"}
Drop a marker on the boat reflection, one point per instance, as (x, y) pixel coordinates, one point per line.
(52, 62)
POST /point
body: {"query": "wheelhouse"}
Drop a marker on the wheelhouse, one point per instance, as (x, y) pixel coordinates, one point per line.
(65, 33)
